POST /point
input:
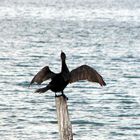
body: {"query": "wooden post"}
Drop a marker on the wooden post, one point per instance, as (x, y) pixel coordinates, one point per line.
(65, 127)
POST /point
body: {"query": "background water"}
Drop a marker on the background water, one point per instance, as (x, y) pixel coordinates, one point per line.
(102, 34)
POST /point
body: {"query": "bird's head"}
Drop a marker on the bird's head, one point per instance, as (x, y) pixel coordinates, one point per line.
(63, 56)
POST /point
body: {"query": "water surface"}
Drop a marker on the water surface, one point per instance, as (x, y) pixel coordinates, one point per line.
(105, 36)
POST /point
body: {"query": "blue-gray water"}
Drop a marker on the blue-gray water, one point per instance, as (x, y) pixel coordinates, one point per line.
(102, 34)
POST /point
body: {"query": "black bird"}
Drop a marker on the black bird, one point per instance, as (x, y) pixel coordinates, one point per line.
(60, 80)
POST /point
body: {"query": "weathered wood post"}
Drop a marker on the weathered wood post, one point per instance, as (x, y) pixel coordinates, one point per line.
(65, 127)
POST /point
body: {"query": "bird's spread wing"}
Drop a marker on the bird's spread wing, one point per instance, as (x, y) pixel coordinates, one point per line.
(85, 72)
(43, 75)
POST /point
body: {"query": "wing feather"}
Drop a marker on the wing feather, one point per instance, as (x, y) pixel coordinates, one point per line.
(85, 72)
(44, 74)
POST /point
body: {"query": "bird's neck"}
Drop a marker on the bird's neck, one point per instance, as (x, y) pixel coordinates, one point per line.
(64, 66)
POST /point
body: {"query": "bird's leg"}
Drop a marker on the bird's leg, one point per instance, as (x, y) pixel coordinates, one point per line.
(56, 95)
(64, 95)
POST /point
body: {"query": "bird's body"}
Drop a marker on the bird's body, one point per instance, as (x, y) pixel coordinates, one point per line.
(58, 83)
(60, 80)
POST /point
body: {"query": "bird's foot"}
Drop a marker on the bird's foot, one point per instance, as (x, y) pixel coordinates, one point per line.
(65, 96)
(61, 95)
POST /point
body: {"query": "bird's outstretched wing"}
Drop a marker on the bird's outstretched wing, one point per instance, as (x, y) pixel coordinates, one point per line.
(43, 75)
(85, 72)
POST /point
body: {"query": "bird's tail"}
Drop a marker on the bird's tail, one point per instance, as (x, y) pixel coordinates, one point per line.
(42, 90)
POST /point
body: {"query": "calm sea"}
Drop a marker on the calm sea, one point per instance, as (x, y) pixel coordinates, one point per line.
(102, 34)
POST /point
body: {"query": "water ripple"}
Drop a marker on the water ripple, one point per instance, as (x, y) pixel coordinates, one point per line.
(102, 35)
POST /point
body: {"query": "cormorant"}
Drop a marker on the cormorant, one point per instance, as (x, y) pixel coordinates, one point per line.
(60, 80)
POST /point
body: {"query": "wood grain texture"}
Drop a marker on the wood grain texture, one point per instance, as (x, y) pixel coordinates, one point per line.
(65, 127)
